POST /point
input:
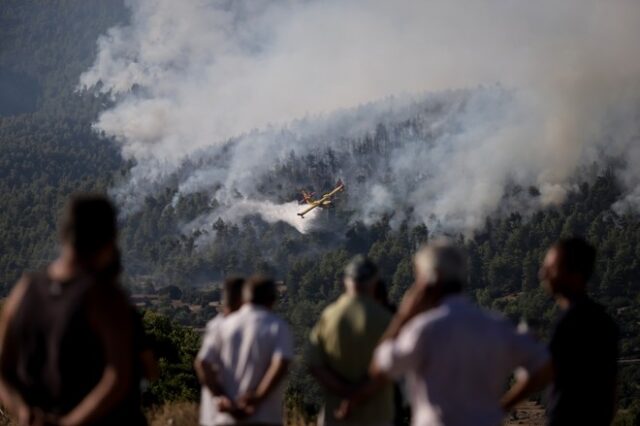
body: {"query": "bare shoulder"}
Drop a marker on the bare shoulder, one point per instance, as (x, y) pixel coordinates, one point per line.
(16, 295)
(12, 302)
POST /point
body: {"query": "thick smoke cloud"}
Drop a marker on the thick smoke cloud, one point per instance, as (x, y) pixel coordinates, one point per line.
(187, 76)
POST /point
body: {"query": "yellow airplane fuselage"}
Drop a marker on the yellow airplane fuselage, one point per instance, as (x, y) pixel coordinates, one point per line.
(325, 201)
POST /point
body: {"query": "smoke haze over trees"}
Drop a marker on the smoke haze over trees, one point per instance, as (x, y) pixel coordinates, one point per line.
(190, 76)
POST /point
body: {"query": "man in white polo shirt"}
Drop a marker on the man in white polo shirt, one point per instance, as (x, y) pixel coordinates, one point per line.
(231, 302)
(251, 351)
(457, 359)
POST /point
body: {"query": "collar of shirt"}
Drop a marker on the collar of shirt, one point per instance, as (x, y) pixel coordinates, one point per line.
(248, 307)
(357, 296)
(352, 296)
(455, 300)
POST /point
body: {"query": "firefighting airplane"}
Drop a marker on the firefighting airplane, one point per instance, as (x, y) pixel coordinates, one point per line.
(322, 202)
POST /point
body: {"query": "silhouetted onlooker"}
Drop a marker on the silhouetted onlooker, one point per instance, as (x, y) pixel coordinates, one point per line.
(341, 347)
(584, 345)
(67, 350)
(204, 363)
(456, 357)
(250, 353)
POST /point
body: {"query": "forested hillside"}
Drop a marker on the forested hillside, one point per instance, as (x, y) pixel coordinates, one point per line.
(47, 147)
(48, 151)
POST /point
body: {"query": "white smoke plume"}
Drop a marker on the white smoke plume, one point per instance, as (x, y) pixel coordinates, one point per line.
(187, 76)
(270, 213)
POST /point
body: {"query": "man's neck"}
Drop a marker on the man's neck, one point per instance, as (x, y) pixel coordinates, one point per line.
(353, 292)
(565, 301)
(65, 266)
(258, 306)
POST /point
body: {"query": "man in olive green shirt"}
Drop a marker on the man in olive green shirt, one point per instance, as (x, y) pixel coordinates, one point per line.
(340, 351)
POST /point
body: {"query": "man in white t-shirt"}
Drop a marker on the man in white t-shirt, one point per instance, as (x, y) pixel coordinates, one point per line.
(231, 302)
(456, 357)
(251, 351)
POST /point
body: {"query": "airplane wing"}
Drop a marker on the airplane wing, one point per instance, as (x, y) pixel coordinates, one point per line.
(302, 213)
(334, 192)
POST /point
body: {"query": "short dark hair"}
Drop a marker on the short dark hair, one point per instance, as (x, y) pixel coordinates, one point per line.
(361, 270)
(260, 290)
(89, 224)
(232, 291)
(577, 256)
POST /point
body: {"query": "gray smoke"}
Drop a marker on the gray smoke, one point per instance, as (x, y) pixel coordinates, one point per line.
(549, 88)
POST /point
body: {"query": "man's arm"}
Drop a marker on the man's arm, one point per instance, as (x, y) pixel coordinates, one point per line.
(142, 343)
(525, 386)
(534, 357)
(317, 365)
(280, 360)
(416, 300)
(361, 394)
(208, 362)
(150, 368)
(208, 376)
(9, 397)
(331, 381)
(110, 318)
(394, 356)
(274, 375)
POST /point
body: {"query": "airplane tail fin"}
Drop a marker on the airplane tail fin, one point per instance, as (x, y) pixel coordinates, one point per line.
(306, 196)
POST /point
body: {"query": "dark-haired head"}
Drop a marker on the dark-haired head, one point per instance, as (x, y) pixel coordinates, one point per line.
(232, 294)
(577, 256)
(360, 275)
(89, 229)
(260, 290)
(568, 266)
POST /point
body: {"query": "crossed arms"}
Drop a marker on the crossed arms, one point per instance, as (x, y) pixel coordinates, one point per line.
(246, 404)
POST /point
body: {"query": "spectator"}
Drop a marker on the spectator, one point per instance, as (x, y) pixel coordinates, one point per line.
(341, 347)
(456, 358)
(66, 332)
(402, 412)
(251, 351)
(204, 363)
(584, 345)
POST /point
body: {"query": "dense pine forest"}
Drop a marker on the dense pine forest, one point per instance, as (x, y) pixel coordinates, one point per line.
(48, 151)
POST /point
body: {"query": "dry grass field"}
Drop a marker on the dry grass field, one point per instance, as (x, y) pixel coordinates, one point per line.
(186, 414)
